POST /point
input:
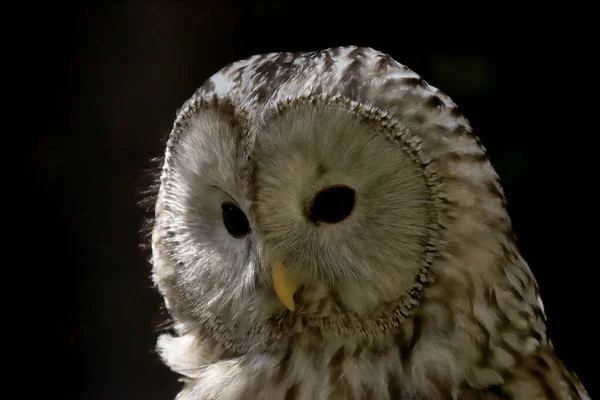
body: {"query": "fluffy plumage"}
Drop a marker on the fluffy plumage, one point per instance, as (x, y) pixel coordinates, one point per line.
(420, 293)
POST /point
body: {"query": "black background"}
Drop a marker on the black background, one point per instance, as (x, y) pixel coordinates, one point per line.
(117, 72)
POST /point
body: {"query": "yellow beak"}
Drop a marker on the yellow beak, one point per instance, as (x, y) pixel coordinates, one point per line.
(284, 284)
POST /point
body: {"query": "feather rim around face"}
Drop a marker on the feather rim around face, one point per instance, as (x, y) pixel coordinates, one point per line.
(386, 317)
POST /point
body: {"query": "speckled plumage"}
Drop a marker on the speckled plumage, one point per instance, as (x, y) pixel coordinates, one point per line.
(420, 294)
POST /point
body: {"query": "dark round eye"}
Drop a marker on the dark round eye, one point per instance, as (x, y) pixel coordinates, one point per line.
(235, 220)
(332, 204)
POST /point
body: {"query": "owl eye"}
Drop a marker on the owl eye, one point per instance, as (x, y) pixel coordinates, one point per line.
(235, 220)
(332, 204)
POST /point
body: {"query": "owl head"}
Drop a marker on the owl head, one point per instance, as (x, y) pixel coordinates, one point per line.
(320, 187)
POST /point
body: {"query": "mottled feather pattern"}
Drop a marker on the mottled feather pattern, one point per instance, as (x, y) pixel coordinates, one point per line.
(435, 301)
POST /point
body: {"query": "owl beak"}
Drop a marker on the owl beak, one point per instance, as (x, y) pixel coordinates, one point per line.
(284, 284)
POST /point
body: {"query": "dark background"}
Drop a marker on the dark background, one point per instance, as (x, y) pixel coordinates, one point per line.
(117, 72)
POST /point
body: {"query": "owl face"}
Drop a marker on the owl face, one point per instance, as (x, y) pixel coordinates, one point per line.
(315, 184)
(321, 200)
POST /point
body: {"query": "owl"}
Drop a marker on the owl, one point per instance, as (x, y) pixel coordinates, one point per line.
(328, 226)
